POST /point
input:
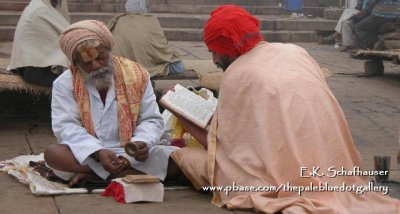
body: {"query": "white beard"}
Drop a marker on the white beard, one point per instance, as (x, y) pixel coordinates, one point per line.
(101, 78)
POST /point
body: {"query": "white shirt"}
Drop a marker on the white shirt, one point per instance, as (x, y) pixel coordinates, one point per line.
(69, 130)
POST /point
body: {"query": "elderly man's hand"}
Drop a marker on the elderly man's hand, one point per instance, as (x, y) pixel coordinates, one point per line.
(143, 151)
(110, 161)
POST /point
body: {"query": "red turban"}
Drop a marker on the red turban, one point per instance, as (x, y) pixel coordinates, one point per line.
(231, 31)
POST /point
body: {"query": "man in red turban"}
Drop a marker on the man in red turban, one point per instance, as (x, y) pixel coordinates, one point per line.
(231, 32)
(276, 123)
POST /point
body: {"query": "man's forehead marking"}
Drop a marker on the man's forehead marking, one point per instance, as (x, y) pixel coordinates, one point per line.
(89, 54)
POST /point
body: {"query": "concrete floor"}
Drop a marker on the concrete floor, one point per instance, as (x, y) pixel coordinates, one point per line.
(371, 106)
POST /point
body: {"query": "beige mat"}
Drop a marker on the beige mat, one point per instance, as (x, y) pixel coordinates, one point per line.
(393, 54)
(12, 82)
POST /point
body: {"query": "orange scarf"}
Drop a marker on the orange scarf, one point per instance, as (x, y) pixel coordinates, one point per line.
(130, 83)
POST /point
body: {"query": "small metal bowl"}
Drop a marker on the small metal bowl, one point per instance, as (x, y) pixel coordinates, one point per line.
(131, 149)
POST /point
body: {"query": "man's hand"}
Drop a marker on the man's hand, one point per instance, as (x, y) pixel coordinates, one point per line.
(143, 151)
(110, 161)
(171, 88)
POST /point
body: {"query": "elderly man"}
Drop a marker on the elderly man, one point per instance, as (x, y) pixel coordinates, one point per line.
(278, 136)
(101, 103)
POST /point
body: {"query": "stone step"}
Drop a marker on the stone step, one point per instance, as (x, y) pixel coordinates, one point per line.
(192, 34)
(73, 7)
(195, 34)
(184, 20)
(13, 6)
(256, 10)
(197, 21)
(75, 1)
(315, 3)
(7, 33)
(10, 18)
(97, 1)
(307, 3)
(166, 8)
(89, 7)
(267, 22)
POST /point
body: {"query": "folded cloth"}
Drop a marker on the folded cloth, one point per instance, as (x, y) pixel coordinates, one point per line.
(124, 192)
(116, 190)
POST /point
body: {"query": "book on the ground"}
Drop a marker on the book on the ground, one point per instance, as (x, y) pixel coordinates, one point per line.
(190, 105)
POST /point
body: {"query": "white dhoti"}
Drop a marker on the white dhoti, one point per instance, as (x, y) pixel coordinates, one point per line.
(345, 27)
(156, 164)
(347, 14)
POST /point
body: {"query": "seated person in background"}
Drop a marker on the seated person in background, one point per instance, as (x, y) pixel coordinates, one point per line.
(367, 31)
(101, 103)
(276, 120)
(36, 54)
(139, 37)
(344, 28)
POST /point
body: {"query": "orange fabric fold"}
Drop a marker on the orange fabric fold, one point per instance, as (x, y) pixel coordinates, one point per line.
(130, 82)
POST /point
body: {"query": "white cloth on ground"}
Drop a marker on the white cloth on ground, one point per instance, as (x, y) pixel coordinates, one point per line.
(68, 128)
(20, 169)
(36, 36)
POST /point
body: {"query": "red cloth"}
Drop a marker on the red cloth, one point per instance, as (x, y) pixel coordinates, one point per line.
(116, 190)
(231, 31)
(178, 143)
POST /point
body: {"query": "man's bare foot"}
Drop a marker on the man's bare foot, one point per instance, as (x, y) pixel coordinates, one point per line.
(79, 177)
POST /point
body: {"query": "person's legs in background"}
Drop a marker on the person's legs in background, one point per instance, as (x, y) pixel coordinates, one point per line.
(348, 36)
(37, 75)
(336, 36)
(367, 30)
(176, 67)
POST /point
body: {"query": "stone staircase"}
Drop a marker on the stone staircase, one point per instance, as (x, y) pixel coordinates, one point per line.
(183, 20)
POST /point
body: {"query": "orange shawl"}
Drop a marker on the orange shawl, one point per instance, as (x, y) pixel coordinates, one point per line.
(276, 114)
(130, 83)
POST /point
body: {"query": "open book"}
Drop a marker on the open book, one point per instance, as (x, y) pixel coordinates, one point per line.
(193, 107)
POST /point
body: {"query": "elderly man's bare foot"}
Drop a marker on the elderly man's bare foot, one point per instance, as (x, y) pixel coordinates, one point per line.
(79, 177)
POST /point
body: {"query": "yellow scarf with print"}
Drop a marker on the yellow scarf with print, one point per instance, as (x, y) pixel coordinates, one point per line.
(130, 82)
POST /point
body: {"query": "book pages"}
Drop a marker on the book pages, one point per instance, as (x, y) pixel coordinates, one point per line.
(190, 105)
